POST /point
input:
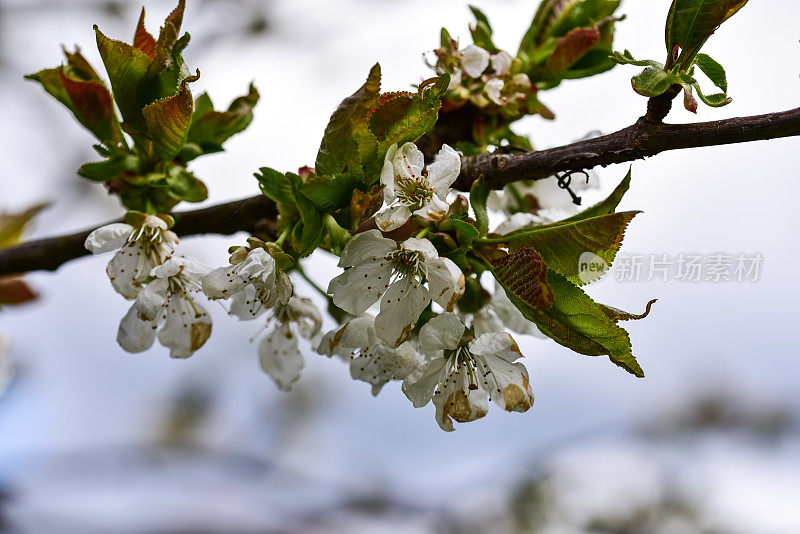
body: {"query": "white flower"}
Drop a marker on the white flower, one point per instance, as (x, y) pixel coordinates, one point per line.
(407, 276)
(519, 220)
(278, 353)
(501, 63)
(407, 188)
(252, 282)
(474, 60)
(550, 201)
(139, 249)
(493, 88)
(462, 372)
(455, 80)
(168, 299)
(371, 359)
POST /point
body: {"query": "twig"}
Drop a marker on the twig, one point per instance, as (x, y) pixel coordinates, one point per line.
(647, 137)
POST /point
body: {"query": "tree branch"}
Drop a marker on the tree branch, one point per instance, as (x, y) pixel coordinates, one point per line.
(647, 137)
(255, 215)
(643, 139)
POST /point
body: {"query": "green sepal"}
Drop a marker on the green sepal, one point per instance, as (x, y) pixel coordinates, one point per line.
(100, 171)
(183, 185)
(478, 196)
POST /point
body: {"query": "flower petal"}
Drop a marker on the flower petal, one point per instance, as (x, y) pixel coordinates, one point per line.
(507, 383)
(499, 344)
(135, 334)
(187, 326)
(435, 210)
(222, 283)
(151, 300)
(501, 63)
(421, 383)
(129, 267)
(393, 217)
(400, 308)
(493, 88)
(280, 358)
(360, 287)
(420, 245)
(379, 364)
(444, 170)
(246, 304)
(359, 332)
(474, 59)
(369, 244)
(306, 315)
(456, 401)
(408, 162)
(445, 281)
(443, 332)
(109, 237)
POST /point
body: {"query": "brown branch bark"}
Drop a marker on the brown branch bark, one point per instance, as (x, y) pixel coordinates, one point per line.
(255, 215)
(645, 138)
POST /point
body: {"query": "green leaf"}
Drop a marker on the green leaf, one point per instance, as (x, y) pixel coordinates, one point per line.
(275, 185)
(568, 248)
(570, 48)
(653, 82)
(715, 101)
(347, 141)
(126, 67)
(168, 121)
(100, 171)
(209, 128)
(88, 100)
(478, 195)
(577, 322)
(691, 22)
(183, 185)
(523, 276)
(78, 87)
(712, 69)
(142, 39)
(626, 58)
(405, 117)
(309, 231)
(605, 206)
(555, 19)
(330, 193)
(468, 232)
(13, 225)
(482, 31)
(293, 204)
(165, 76)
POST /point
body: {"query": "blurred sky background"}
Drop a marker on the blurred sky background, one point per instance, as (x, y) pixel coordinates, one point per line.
(93, 439)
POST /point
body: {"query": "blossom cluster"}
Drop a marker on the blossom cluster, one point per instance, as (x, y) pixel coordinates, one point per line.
(166, 289)
(398, 290)
(484, 79)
